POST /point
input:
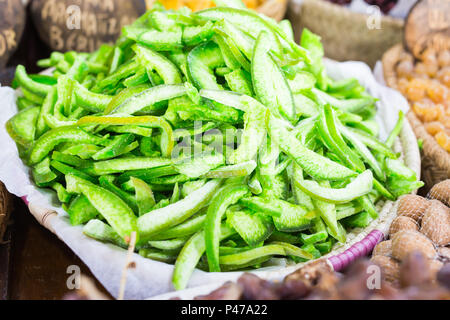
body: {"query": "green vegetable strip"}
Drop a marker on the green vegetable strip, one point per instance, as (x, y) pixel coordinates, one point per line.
(158, 220)
(355, 189)
(26, 82)
(45, 144)
(111, 207)
(312, 163)
(167, 141)
(226, 197)
(190, 256)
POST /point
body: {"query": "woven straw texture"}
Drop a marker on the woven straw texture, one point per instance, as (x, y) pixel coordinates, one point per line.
(345, 34)
(435, 160)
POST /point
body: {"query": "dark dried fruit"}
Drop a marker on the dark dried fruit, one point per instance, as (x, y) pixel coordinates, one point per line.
(354, 285)
(390, 267)
(255, 288)
(443, 276)
(229, 291)
(415, 270)
(293, 290)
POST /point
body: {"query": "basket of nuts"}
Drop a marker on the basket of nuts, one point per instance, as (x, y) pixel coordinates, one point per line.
(422, 225)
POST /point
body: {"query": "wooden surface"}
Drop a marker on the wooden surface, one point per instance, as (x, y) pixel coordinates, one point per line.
(38, 261)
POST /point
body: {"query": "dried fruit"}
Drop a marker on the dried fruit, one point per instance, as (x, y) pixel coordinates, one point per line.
(429, 56)
(441, 192)
(443, 276)
(402, 85)
(383, 248)
(229, 291)
(403, 223)
(414, 274)
(425, 83)
(317, 274)
(427, 111)
(443, 140)
(437, 92)
(444, 58)
(415, 270)
(389, 267)
(443, 76)
(416, 89)
(405, 68)
(435, 266)
(444, 253)
(412, 206)
(434, 127)
(436, 223)
(405, 242)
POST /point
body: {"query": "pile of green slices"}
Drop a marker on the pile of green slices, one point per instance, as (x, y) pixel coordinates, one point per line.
(211, 138)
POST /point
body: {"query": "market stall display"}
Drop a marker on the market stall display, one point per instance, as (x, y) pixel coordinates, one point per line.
(12, 23)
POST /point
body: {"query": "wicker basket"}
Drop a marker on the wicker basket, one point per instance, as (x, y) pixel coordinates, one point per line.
(5, 209)
(435, 160)
(345, 33)
(360, 242)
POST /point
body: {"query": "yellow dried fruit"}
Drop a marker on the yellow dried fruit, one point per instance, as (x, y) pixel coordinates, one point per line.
(441, 192)
(403, 223)
(436, 223)
(383, 248)
(389, 267)
(412, 206)
(407, 241)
